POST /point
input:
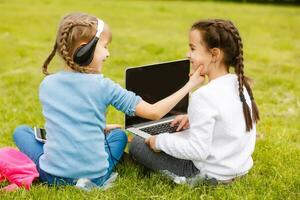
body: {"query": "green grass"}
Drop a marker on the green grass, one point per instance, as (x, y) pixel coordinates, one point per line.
(148, 32)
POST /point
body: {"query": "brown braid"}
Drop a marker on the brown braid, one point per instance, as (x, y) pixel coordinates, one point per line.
(255, 111)
(74, 29)
(224, 35)
(239, 66)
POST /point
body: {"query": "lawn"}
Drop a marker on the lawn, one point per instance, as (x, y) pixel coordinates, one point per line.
(153, 31)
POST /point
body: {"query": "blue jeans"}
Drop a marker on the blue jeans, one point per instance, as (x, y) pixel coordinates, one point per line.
(26, 142)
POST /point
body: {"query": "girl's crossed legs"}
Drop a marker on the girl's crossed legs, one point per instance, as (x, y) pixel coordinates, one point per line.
(141, 153)
(26, 142)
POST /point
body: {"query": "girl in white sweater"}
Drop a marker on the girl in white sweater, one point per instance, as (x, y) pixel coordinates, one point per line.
(216, 138)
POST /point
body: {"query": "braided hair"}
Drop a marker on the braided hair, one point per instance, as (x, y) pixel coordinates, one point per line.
(223, 34)
(74, 29)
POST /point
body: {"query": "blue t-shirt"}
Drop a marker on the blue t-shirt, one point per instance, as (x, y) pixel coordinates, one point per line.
(74, 106)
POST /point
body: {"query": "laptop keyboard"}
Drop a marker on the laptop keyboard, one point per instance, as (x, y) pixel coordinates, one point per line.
(160, 128)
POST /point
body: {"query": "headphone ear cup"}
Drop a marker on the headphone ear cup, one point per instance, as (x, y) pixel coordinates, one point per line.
(84, 55)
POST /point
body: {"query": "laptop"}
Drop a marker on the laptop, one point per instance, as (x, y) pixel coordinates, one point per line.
(153, 83)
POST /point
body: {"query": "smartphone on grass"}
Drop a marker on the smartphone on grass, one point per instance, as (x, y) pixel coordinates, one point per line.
(40, 134)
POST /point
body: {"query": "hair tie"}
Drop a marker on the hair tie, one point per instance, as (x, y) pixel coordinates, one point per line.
(242, 98)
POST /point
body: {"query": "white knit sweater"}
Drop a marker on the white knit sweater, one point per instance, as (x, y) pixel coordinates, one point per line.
(217, 141)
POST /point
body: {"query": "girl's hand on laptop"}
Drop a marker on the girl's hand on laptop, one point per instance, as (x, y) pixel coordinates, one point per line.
(151, 143)
(197, 77)
(182, 121)
(110, 127)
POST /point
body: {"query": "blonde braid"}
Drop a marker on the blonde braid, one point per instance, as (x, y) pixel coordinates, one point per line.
(65, 50)
(48, 60)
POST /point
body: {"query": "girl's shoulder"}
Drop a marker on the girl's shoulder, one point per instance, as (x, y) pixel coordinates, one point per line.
(214, 92)
(72, 76)
(218, 85)
(81, 81)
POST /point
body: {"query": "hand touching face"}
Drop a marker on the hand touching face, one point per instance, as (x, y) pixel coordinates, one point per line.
(198, 53)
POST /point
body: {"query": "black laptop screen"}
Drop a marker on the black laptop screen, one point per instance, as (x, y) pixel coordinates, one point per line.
(155, 82)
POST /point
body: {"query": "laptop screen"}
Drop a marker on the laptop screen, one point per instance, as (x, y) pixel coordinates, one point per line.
(157, 81)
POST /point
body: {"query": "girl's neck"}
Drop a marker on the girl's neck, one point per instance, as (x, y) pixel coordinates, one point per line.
(220, 71)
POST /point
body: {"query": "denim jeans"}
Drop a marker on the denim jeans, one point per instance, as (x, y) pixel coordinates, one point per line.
(26, 142)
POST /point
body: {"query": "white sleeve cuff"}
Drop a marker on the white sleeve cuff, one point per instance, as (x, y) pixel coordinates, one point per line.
(159, 140)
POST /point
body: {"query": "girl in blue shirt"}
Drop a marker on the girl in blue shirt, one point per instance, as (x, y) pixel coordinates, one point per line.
(74, 102)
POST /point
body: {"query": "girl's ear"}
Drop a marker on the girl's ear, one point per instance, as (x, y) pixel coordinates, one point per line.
(216, 54)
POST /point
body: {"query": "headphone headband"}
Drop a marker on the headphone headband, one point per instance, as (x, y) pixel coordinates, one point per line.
(100, 27)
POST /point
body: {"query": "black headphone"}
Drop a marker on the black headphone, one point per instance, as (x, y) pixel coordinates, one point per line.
(84, 54)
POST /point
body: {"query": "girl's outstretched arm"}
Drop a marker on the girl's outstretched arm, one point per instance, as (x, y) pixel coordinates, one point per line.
(159, 109)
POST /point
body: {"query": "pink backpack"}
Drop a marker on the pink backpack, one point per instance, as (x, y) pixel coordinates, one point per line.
(16, 168)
